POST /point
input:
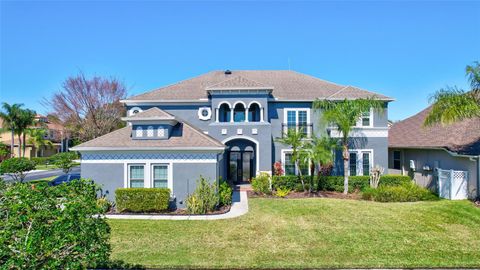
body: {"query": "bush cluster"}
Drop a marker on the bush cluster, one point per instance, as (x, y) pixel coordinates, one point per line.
(335, 183)
(405, 192)
(56, 227)
(261, 183)
(142, 199)
(224, 194)
(204, 199)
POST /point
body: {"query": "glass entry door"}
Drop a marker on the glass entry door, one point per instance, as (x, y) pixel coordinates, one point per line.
(240, 166)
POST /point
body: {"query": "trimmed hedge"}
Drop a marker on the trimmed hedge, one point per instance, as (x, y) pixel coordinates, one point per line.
(406, 192)
(335, 183)
(142, 199)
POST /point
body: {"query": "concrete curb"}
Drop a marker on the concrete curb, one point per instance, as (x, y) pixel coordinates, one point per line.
(239, 208)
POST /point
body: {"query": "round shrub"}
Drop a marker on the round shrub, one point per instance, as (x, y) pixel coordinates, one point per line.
(261, 184)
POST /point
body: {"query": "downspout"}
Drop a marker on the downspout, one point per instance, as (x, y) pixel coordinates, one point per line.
(478, 177)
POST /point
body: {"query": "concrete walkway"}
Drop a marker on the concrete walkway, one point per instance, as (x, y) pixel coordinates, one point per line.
(239, 208)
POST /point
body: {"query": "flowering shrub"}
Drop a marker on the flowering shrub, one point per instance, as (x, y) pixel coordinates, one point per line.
(277, 168)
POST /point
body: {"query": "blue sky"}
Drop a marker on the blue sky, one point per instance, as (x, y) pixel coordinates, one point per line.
(405, 50)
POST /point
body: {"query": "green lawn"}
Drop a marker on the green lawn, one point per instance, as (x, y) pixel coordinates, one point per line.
(310, 233)
(45, 167)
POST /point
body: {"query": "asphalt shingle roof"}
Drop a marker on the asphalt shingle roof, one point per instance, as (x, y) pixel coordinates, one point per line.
(286, 84)
(462, 137)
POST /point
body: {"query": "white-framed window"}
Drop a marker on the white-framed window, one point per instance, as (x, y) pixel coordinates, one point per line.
(289, 167)
(360, 162)
(150, 131)
(297, 118)
(366, 119)
(136, 175)
(397, 160)
(139, 132)
(160, 175)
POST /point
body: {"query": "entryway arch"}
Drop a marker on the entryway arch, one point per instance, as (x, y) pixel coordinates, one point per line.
(242, 158)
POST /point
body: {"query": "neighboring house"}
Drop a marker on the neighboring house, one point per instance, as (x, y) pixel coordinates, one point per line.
(54, 132)
(224, 124)
(419, 151)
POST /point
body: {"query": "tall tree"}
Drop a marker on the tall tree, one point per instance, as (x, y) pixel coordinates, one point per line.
(89, 107)
(318, 152)
(344, 116)
(295, 139)
(26, 119)
(451, 104)
(36, 137)
(10, 116)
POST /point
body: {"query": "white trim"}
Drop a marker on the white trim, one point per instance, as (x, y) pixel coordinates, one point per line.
(359, 164)
(239, 101)
(208, 116)
(111, 161)
(359, 121)
(128, 165)
(373, 132)
(169, 174)
(130, 112)
(94, 148)
(254, 101)
(224, 102)
(259, 107)
(296, 110)
(257, 148)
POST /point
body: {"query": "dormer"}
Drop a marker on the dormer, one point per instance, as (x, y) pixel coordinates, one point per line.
(152, 124)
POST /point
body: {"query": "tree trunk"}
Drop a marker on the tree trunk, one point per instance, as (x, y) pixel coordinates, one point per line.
(345, 169)
(319, 174)
(24, 143)
(19, 145)
(300, 174)
(312, 175)
(12, 144)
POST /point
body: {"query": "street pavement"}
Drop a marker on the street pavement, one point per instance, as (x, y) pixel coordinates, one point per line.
(44, 174)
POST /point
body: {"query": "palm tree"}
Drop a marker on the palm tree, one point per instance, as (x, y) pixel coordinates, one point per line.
(294, 139)
(26, 119)
(344, 115)
(452, 104)
(36, 137)
(318, 151)
(10, 117)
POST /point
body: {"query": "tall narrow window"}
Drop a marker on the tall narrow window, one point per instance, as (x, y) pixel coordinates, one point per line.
(291, 119)
(302, 122)
(353, 164)
(160, 176)
(150, 131)
(239, 113)
(397, 160)
(366, 163)
(297, 119)
(289, 164)
(224, 113)
(254, 113)
(136, 176)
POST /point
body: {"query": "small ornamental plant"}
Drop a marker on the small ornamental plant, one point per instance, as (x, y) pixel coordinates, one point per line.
(17, 168)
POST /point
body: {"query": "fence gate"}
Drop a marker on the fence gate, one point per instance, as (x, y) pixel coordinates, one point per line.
(452, 184)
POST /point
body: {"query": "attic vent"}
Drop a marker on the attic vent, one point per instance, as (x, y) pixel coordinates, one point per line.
(228, 72)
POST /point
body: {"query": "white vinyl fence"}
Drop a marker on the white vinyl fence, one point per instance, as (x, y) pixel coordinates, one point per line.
(452, 184)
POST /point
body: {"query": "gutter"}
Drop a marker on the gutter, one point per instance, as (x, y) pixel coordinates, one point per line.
(87, 148)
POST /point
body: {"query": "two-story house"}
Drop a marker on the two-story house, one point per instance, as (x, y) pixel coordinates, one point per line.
(224, 124)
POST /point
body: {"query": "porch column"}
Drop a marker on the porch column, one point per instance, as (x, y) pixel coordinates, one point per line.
(246, 114)
(261, 114)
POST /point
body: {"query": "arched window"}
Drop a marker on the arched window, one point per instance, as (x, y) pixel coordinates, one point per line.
(150, 131)
(254, 113)
(239, 113)
(224, 113)
(139, 132)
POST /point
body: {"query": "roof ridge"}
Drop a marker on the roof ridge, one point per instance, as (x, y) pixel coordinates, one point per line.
(236, 77)
(337, 92)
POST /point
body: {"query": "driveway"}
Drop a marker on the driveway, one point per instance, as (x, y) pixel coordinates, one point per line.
(44, 174)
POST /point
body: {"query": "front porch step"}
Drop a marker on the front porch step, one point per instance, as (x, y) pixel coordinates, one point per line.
(243, 187)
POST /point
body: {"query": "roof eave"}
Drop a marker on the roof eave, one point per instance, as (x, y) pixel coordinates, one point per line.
(197, 148)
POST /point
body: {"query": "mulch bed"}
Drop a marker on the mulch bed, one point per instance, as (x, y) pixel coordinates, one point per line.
(317, 194)
(177, 212)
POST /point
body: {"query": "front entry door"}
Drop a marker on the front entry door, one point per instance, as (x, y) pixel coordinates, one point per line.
(240, 166)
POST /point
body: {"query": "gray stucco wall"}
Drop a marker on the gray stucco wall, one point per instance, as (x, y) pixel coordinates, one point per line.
(108, 176)
(429, 157)
(185, 176)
